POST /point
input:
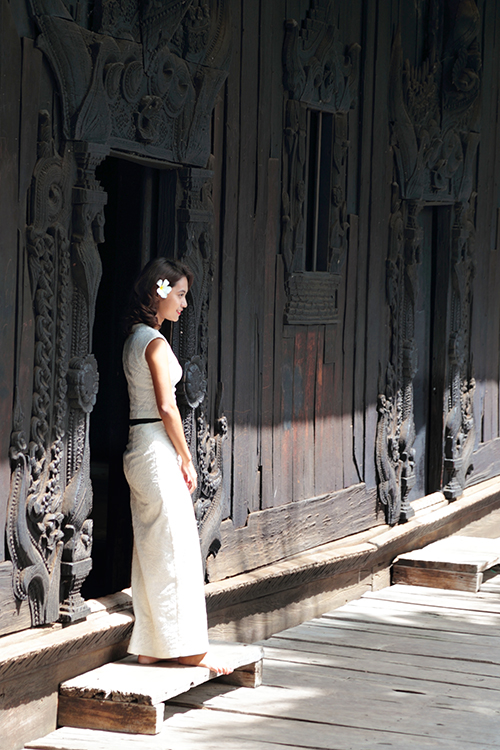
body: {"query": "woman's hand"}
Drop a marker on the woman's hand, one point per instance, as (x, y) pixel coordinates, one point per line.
(189, 474)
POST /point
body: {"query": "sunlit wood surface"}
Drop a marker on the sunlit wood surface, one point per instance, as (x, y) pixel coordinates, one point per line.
(406, 668)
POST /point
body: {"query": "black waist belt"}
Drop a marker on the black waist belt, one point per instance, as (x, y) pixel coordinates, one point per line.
(147, 420)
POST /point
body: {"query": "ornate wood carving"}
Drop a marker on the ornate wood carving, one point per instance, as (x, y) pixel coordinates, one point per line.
(153, 87)
(459, 434)
(433, 113)
(434, 110)
(151, 90)
(394, 453)
(312, 298)
(49, 536)
(319, 73)
(318, 69)
(195, 246)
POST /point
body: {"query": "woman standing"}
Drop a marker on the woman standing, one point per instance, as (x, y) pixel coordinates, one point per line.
(167, 574)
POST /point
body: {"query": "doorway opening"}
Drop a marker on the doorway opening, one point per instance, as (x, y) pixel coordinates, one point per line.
(430, 335)
(140, 224)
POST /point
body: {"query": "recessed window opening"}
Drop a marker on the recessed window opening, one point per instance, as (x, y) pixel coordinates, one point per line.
(319, 175)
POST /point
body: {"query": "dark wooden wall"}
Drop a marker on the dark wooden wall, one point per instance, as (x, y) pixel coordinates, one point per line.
(302, 400)
(299, 463)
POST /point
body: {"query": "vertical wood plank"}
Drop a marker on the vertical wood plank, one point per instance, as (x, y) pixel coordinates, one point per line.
(268, 338)
(245, 447)
(299, 412)
(324, 433)
(486, 304)
(365, 114)
(309, 396)
(281, 477)
(379, 211)
(351, 475)
(285, 488)
(229, 231)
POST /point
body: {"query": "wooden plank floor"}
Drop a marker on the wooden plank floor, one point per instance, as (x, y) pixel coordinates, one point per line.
(407, 668)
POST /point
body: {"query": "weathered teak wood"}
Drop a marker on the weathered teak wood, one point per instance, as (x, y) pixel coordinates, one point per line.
(456, 562)
(378, 672)
(125, 696)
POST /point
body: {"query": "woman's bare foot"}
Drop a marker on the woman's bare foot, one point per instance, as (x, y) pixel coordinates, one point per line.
(151, 659)
(207, 660)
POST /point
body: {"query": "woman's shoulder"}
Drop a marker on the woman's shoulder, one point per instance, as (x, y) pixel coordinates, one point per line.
(140, 336)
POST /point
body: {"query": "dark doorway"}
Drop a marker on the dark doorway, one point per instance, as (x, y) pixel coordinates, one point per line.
(139, 225)
(430, 311)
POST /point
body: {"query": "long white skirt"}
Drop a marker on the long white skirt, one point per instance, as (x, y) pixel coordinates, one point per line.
(167, 573)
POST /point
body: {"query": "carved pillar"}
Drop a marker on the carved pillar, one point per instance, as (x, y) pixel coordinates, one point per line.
(35, 525)
(88, 201)
(195, 247)
(459, 434)
(394, 452)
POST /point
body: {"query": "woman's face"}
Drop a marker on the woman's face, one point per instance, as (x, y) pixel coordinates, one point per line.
(174, 303)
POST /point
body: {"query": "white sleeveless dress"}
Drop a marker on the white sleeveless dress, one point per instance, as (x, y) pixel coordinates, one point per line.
(167, 574)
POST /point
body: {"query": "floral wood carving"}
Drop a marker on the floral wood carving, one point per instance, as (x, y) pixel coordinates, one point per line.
(459, 435)
(148, 81)
(433, 113)
(35, 530)
(195, 246)
(394, 452)
(318, 69)
(49, 534)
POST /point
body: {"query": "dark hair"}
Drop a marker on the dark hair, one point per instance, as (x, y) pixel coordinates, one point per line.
(144, 300)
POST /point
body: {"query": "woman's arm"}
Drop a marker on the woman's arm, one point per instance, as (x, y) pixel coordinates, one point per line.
(157, 359)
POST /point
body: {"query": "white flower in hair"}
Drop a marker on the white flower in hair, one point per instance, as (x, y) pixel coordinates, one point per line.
(164, 288)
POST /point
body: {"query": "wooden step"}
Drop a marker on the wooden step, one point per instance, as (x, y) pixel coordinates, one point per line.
(125, 696)
(457, 562)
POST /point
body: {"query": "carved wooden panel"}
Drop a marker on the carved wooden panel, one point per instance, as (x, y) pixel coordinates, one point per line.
(320, 74)
(434, 112)
(153, 87)
(151, 90)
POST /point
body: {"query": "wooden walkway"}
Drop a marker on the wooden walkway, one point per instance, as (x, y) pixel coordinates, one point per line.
(407, 668)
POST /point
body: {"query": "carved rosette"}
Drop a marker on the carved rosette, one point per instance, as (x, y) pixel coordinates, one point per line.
(394, 452)
(195, 247)
(147, 80)
(83, 383)
(320, 74)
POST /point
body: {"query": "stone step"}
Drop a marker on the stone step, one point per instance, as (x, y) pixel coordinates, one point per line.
(125, 696)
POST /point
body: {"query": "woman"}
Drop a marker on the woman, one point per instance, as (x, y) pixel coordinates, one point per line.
(167, 574)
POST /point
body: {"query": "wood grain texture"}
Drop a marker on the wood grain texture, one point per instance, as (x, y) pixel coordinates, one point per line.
(273, 534)
(109, 715)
